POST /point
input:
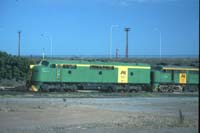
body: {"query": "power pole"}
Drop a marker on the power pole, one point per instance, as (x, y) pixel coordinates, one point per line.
(127, 30)
(19, 41)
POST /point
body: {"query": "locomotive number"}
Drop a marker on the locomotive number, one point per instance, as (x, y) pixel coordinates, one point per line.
(122, 75)
(182, 78)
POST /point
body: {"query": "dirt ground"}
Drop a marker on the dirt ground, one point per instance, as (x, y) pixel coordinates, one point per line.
(108, 115)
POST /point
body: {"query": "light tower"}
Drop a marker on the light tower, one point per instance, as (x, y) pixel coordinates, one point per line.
(111, 29)
(160, 41)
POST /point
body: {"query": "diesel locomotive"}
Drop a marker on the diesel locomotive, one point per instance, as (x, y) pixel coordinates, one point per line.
(72, 75)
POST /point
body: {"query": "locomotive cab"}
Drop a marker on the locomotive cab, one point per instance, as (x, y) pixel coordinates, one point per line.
(35, 73)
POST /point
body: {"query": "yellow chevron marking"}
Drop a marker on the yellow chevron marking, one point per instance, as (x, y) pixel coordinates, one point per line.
(33, 88)
(138, 67)
(31, 66)
(59, 65)
(83, 65)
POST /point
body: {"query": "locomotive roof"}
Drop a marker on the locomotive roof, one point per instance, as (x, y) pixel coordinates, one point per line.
(179, 68)
(53, 61)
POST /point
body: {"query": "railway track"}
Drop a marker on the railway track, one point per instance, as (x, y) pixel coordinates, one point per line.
(91, 94)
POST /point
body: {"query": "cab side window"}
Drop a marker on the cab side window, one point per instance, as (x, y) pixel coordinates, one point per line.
(45, 63)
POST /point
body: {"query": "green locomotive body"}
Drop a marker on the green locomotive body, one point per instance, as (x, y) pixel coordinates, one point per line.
(65, 74)
(171, 78)
(69, 75)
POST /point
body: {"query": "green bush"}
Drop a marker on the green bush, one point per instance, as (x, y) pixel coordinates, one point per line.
(13, 67)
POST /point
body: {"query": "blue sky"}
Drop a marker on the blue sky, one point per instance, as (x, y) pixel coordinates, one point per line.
(83, 27)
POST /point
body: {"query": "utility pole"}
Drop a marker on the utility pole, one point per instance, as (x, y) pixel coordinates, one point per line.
(127, 30)
(19, 41)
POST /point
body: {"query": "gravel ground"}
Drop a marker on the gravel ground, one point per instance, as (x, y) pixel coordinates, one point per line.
(109, 115)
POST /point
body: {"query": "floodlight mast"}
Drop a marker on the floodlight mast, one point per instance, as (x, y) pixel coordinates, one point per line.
(51, 42)
(160, 41)
(111, 28)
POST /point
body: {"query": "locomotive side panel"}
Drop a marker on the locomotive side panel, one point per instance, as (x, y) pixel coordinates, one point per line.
(86, 74)
(139, 75)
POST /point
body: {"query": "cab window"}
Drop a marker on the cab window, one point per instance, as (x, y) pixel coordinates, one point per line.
(45, 63)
